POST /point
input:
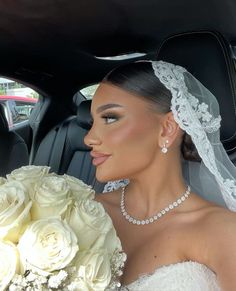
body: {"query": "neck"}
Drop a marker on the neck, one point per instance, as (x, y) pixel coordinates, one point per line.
(155, 188)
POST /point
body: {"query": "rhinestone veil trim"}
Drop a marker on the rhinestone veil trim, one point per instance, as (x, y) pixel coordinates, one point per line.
(155, 217)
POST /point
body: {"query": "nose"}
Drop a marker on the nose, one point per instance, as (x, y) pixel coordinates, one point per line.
(91, 139)
(85, 120)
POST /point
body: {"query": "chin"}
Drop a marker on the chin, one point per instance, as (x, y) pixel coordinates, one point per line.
(103, 177)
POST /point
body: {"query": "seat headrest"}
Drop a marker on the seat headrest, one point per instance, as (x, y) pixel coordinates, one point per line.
(84, 118)
(3, 121)
(208, 57)
(78, 98)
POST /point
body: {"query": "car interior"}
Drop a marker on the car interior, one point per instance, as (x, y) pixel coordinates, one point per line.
(13, 149)
(58, 49)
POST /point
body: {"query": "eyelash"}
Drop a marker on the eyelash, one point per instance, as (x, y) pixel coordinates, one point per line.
(109, 116)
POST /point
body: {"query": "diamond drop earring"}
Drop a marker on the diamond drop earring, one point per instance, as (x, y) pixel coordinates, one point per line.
(164, 148)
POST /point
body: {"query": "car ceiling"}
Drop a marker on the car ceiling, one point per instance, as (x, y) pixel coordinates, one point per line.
(52, 44)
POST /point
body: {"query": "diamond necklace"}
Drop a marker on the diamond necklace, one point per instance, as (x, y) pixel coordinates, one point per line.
(156, 216)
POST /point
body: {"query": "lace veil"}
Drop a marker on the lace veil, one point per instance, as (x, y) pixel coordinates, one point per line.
(196, 110)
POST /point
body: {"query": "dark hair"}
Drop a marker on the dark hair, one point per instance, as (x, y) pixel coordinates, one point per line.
(139, 79)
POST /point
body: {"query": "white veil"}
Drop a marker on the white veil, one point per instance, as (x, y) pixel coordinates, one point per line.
(196, 110)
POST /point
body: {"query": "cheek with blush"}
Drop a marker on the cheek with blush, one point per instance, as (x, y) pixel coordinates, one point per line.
(133, 147)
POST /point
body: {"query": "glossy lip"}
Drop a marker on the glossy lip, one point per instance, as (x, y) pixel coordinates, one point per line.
(99, 158)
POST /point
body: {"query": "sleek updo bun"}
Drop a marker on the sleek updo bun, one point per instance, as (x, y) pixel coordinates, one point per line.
(139, 79)
(189, 150)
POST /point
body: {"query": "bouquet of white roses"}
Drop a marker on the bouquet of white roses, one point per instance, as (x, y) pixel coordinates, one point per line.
(54, 236)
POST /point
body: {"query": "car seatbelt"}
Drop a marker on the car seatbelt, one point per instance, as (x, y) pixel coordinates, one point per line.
(58, 146)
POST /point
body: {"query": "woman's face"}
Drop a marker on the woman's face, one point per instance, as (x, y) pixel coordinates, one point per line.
(124, 135)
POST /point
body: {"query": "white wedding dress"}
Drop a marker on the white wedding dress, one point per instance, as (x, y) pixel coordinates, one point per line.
(185, 276)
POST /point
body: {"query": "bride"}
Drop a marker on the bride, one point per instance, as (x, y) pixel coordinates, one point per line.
(156, 125)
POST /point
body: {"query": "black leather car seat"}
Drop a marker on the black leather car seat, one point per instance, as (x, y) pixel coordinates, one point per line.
(13, 149)
(208, 57)
(63, 148)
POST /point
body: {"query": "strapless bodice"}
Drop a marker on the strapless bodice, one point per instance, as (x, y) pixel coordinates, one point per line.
(184, 276)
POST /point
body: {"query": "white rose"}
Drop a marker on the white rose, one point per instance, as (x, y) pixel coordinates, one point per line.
(93, 271)
(51, 196)
(90, 222)
(2, 181)
(47, 245)
(79, 189)
(109, 240)
(9, 265)
(14, 210)
(28, 175)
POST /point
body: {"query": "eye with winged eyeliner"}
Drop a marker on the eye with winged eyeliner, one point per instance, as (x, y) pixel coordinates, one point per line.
(112, 116)
(109, 117)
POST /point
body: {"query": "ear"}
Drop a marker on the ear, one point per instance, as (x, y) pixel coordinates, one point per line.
(170, 130)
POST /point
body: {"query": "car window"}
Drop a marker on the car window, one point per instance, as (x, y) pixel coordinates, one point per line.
(89, 91)
(18, 101)
(13, 111)
(24, 109)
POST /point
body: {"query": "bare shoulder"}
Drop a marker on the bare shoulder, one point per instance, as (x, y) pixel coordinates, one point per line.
(211, 217)
(220, 234)
(219, 220)
(217, 224)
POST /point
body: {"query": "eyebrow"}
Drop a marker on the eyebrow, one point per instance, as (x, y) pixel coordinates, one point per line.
(107, 106)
